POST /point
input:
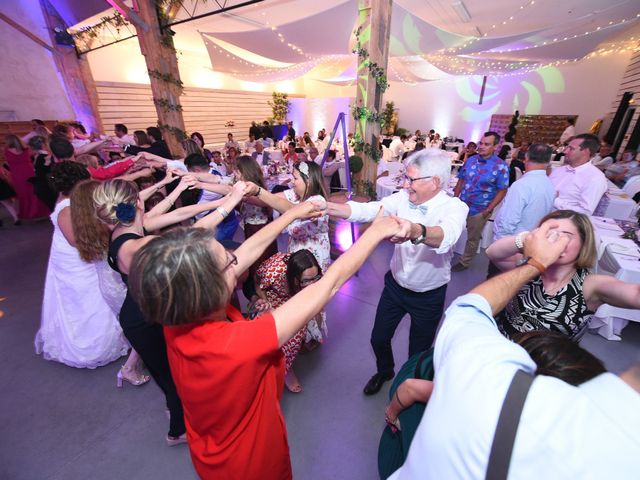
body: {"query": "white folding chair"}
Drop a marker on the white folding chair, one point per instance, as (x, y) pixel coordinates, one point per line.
(632, 186)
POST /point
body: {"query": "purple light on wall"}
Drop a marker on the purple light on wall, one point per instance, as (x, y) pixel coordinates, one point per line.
(342, 235)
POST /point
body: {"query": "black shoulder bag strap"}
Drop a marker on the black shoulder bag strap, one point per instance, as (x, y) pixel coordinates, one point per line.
(505, 436)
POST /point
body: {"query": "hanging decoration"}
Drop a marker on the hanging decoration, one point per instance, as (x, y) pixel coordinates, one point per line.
(359, 113)
(86, 34)
(166, 105)
(177, 132)
(166, 77)
(375, 70)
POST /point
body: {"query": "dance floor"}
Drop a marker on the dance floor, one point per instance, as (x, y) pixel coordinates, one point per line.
(64, 423)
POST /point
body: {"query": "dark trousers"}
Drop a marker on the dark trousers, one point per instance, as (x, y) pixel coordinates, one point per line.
(425, 309)
(148, 340)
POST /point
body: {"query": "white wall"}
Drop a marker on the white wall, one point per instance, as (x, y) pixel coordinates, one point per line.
(30, 84)
(450, 106)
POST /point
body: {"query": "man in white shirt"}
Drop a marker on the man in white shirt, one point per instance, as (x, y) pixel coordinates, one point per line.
(122, 135)
(420, 268)
(250, 144)
(231, 143)
(579, 184)
(603, 159)
(565, 431)
(568, 132)
(397, 147)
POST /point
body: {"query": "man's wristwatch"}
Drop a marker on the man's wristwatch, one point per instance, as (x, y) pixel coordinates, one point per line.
(423, 235)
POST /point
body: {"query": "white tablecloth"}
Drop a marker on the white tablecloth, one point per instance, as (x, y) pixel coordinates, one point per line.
(615, 204)
(386, 186)
(619, 257)
(275, 154)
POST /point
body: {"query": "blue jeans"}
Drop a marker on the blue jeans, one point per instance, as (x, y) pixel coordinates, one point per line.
(425, 309)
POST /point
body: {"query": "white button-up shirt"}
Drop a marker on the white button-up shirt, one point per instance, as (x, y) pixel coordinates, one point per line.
(579, 188)
(589, 432)
(420, 267)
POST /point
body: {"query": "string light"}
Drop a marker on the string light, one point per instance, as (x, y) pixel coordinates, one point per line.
(398, 76)
(577, 35)
(508, 19)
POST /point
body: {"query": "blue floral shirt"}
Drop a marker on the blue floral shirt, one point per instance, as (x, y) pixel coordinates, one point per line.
(482, 180)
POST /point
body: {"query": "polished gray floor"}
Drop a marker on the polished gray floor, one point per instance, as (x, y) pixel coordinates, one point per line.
(58, 422)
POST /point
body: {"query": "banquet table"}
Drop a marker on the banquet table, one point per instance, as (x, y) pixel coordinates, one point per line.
(619, 257)
(454, 146)
(615, 204)
(275, 154)
(388, 185)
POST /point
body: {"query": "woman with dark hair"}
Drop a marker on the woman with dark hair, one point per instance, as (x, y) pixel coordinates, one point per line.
(19, 160)
(78, 328)
(565, 295)
(253, 217)
(142, 140)
(199, 139)
(229, 372)
(121, 208)
(277, 280)
(313, 234)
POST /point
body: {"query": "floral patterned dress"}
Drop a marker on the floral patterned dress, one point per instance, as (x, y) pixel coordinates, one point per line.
(271, 277)
(312, 235)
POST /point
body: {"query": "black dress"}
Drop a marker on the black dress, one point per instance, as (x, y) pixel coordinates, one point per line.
(148, 340)
(41, 185)
(565, 312)
(6, 190)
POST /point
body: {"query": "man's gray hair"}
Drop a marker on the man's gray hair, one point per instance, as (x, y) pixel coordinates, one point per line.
(432, 162)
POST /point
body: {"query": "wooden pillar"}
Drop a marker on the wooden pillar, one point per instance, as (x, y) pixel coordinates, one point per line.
(375, 28)
(75, 73)
(162, 64)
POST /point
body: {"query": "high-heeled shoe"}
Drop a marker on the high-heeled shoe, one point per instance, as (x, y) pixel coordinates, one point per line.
(173, 441)
(133, 378)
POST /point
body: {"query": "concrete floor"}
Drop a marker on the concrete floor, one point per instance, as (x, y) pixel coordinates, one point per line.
(64, 423)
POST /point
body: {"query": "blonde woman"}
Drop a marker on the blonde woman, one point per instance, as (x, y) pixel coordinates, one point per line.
(565, 295)
(92, 242)
(121, 208)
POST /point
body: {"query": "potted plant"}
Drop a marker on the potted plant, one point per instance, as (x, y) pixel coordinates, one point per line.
(280, 106)
(390, 118)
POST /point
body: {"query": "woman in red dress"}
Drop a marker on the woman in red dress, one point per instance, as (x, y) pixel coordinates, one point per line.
(19, 159)
(230, 372)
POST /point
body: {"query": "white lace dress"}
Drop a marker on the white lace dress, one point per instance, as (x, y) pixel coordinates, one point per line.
(78, 327)
(312, 235)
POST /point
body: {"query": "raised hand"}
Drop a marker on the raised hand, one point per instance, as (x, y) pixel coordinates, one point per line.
(305, 210)
(404, 233)
(186, 182)
(176, 172)
(546, 243)
(261, 305)
(386, 227)
(250, 188)
(239, 190)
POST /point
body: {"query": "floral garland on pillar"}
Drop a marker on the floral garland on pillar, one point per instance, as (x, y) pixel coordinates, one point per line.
(364, 113)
